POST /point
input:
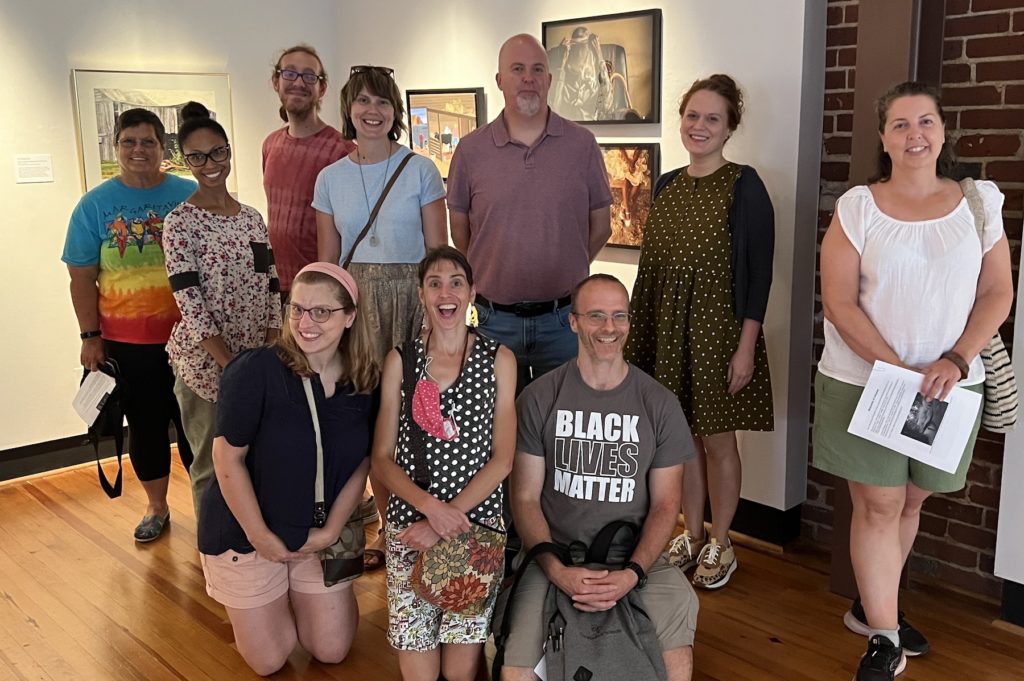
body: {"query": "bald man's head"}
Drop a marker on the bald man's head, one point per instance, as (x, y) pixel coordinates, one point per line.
(523, 75)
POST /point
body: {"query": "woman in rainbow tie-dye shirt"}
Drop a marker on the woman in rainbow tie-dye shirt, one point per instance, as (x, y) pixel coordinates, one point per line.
(119, 289)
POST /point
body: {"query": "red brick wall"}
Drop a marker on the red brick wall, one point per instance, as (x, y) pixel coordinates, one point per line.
(983, 92)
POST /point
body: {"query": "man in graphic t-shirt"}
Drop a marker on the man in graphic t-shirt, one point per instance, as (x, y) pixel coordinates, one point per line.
(293, 155)
(599, 441)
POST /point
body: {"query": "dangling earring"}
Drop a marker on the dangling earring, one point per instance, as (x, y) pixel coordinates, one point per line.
(474, 316)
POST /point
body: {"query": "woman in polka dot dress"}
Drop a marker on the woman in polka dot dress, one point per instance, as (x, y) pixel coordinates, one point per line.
(698, 305)
(467, 440)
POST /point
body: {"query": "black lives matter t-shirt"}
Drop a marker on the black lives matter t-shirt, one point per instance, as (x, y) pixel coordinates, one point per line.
(599, 446)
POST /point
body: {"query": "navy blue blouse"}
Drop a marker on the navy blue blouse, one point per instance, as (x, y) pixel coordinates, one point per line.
(262, 404)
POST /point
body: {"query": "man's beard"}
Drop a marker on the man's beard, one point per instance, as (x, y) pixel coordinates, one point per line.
(300, 110)
(528, 104)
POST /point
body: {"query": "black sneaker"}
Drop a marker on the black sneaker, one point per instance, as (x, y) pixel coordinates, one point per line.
(882, 662)
(913, 641)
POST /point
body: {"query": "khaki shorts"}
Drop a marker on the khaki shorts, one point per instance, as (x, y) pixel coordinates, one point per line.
(668, 598)
(850, 457)
(245, 580)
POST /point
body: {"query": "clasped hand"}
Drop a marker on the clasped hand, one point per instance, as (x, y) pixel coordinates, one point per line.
(318, 539)
(940, 377)
(419, 536)
(594, 590)
(270, 547)
(446, 520)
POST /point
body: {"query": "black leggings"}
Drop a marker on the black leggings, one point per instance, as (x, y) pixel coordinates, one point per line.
(147, 397)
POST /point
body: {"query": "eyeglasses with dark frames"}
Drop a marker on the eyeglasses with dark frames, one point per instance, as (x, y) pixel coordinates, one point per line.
(317, 314)
(598, 318)
(307, 77)
(363, 68)
(197, 159)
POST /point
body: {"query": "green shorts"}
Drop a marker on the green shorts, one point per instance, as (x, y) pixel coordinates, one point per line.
(853, 458)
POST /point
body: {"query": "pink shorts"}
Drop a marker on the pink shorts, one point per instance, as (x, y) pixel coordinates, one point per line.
(245, 580)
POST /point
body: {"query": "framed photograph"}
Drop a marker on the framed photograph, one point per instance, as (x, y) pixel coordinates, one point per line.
(606, 69)
(438, 119)
(632, 169)
(101, 96)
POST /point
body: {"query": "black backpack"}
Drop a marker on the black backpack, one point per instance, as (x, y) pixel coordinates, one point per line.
(619, 643)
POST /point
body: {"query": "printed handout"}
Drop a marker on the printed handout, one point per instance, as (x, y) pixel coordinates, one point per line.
(893, 413)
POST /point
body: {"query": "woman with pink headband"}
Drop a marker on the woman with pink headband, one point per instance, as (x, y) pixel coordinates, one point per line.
(257, 536)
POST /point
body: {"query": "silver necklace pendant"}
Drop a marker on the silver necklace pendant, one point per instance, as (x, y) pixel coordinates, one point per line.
(373, 240)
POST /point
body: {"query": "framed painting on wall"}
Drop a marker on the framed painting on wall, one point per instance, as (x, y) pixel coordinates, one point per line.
(606, 69)
(632, 169)
(438, 119)
(101, 96)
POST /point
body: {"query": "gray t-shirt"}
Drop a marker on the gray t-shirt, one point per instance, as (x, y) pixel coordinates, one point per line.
(599, 446)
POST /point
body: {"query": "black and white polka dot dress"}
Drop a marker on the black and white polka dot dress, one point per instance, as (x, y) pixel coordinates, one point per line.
(684, 331)
(470, 400)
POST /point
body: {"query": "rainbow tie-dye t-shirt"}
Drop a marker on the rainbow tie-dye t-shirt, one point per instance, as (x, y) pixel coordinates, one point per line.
(120, 228)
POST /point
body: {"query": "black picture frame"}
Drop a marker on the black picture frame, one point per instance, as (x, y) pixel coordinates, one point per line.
(623, 85)
(457, 110)
(633, 168)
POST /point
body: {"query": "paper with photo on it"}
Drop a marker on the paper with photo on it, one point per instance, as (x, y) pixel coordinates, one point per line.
(92, 395)
(893, 413)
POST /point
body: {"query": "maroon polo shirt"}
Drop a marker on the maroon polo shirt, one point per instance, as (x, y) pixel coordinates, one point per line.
(529, 208)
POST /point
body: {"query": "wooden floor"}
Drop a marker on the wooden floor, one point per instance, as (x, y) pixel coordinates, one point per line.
(79, 599)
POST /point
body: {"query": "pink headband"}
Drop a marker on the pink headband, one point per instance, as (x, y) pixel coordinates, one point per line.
(332, 270)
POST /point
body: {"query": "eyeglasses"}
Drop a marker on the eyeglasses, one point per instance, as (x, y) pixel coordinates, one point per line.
(363, 68)
(598, 318)
(197, 159)
(131, 142)
(307, 77)
(317, 314)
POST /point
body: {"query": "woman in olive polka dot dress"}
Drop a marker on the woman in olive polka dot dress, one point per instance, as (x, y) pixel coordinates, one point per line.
(697, 308)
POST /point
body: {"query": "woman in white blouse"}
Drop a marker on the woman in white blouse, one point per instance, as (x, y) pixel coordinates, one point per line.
(905, 279)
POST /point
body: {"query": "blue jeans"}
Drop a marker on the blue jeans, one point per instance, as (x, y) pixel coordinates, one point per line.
(540, 343)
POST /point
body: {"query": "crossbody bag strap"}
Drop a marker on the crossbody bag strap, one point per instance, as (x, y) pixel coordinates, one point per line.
(976, 205)
(417, 438)
(319, 512)
(112, 491)
(376, 209)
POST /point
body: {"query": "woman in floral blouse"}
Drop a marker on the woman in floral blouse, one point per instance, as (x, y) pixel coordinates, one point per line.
(222, 274)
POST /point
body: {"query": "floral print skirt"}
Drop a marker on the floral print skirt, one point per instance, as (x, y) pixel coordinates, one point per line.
(415, 624)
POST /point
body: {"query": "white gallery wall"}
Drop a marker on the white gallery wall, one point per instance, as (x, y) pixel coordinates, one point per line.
(42, 42)
(775, 50)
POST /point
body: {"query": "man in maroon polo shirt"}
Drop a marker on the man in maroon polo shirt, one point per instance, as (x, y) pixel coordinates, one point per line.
(293, 155)
(528, 202)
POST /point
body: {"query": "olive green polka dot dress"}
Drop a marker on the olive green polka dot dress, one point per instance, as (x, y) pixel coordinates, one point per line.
(684, 330)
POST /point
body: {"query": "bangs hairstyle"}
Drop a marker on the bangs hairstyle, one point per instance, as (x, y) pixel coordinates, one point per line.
(723, 86)
(445, 254)
(359, 363)
(305, 49)
(378, 84)
(945, 164)
(197, 117)
(133, 117)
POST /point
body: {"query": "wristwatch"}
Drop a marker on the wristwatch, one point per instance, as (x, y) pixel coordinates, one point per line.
(641, 576)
